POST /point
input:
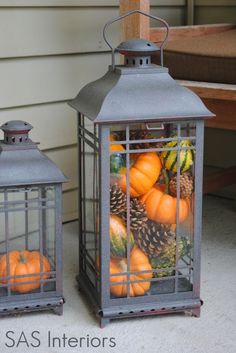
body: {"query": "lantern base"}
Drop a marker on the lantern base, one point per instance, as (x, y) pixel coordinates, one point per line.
(157, 307)
(30, 305)
(193, 307)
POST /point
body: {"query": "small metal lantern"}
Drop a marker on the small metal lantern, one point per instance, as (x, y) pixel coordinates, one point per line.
(140, 187)
(31, 225)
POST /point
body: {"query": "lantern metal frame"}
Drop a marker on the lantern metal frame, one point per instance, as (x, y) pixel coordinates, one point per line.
(127, 96)
(30, 183)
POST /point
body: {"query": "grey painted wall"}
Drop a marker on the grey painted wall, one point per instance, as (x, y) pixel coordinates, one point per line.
(50, 48)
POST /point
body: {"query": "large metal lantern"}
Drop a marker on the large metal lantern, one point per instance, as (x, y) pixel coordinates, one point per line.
(140, 188)
(30, 219)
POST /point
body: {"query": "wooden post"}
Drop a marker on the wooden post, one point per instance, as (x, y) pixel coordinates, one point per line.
(135, 26)
(190, 12)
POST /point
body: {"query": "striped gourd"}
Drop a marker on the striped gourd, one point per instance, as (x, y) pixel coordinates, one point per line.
(119, 237)
(169, 158)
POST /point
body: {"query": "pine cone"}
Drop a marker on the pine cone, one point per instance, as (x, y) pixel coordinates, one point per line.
(167, 259)
(186, 185)
(117, 200)
(138, 215)
(143, 135)
(154, 238)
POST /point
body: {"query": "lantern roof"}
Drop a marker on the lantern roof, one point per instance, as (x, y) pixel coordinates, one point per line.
(21, 162)
(128, 94)
(16, 126)
(138, 91)
(137, 46)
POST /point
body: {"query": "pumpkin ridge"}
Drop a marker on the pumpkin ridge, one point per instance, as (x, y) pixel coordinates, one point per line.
(137, 171)
(145, 172)
(138, 262)
(161, 207)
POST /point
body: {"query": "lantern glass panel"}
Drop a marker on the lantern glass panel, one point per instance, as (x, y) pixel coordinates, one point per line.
(151, 231)
(27, 216)
(89, 201)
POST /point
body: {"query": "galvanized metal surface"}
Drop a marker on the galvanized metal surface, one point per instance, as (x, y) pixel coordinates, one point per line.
(16, 126)
(174, 293)
(31, 305)
(139, 47)
(121, 17)
(137, 91)
(16, 206)
(22, 163)
(137, 94)
(30, 193)
(128, 94)
(198, 207)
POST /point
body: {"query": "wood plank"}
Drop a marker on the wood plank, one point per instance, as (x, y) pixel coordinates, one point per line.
(80, 3)
(66, 160)
(63, 31)
(225, 114)
(174, 15)
(227, 191)
(39, 80)
(219, 148)
(54, 124)
(220, 179)
(135, 26)
(70, 206)
(214, 14)
(178, 33)
(56, 3)
(211, 90)
(221, 3)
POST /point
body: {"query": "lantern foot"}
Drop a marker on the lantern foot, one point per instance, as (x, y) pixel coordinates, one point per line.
(196, 312)
(58, 310)
(104, 321)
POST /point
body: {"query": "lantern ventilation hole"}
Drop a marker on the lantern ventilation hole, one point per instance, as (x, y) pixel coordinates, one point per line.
(137, 61)
(16, 132)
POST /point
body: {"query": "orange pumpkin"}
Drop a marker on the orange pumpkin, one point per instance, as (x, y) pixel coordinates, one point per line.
(143, 174)
(138, 262)
(115, 148)
(24, 263)
(161, 207)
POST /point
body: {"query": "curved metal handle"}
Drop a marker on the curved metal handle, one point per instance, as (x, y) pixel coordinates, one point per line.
(126, 15)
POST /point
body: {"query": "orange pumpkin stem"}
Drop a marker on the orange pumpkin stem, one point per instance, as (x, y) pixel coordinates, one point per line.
(123, 265)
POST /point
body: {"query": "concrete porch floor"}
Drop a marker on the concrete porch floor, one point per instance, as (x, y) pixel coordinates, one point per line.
(213, 332)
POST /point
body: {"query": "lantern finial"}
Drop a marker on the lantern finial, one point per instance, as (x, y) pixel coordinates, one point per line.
(137, 52)
(16, 132)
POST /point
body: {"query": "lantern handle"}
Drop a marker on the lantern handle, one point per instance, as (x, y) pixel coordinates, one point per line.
(126, 15)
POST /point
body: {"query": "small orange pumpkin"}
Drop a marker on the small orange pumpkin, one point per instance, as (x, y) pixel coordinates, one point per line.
(161, 207)
(143, 174)
(138, 262)
(115, 148)
(24, 263)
